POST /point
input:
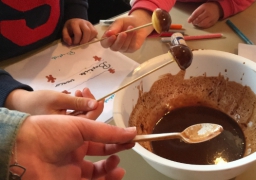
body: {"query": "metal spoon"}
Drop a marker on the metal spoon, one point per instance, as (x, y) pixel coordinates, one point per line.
(193, 134)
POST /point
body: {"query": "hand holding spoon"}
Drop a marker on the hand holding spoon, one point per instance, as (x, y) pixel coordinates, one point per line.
(193, 134)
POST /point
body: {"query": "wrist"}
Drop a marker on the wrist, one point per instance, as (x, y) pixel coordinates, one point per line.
(143, 17)
(16, 171)
(220, 10)
(14, 100)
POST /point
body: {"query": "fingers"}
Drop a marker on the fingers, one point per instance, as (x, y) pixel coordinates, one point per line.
(117, 174)
(197, 15)
(118, 39)
(93, 114)
(85, 93)
(104, 133)
(115, 28)
(206, 23)
(99, 149)
(123, 41)
(65, 101)
(126, 42)
(104, 169)
(78, 31)
(88, 33)
(66, 37)
(206, 15)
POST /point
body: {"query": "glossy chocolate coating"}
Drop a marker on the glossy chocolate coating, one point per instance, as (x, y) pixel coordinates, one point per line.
(163, 20)
(182, 55)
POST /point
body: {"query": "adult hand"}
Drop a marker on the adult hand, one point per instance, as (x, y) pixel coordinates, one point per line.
(206, 15)
(78, 31)
(53, 102)
(53, 147)
(131, 41)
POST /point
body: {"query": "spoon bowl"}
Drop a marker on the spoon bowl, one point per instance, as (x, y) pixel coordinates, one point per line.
(193, 134)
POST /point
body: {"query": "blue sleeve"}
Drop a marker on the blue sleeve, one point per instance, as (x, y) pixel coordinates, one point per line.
(10, 122)
(8, 84)
(76, 9)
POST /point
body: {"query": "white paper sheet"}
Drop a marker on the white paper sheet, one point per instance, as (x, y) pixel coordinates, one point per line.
(61, 69)
(248, 51)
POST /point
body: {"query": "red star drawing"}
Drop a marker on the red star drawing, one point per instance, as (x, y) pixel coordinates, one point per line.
(66, 92)
(96, 58)
(111, 70)
(50, 78)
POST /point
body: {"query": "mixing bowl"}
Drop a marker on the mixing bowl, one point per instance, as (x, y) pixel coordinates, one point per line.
(209, 62)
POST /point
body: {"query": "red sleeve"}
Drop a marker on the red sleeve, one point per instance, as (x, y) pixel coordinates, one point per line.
(232, 7)
(151, 5)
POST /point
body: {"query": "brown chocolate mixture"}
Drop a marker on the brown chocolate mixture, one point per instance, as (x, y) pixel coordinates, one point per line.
(173, 91)
(226, 147)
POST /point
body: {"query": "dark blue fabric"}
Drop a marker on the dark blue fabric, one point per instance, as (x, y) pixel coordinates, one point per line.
(8, 84)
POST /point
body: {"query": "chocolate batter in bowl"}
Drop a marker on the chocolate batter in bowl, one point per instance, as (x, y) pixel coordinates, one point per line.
(222, 81)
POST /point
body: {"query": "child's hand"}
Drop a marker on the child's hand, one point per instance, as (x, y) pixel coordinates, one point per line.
(206, 15)
(52, 102)
(78, 31)
(131, 41)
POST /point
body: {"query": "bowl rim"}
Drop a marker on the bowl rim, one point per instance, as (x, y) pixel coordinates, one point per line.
(191, 167)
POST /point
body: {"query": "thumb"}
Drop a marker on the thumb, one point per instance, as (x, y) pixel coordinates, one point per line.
(116, 27)
(109, 134)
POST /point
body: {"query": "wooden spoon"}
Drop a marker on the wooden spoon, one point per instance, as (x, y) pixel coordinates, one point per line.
(193, 134)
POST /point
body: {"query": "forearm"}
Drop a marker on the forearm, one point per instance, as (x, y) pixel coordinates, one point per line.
(10, 122)
(143, 17)
(151, 5)
(7, 85)
(232, 7)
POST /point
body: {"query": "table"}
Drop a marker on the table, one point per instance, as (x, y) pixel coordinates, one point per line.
(136, 167)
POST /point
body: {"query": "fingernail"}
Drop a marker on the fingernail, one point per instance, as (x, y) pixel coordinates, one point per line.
(132, 129)
(92, 103)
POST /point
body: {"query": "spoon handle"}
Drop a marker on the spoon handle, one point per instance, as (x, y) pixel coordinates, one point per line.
(155, 137)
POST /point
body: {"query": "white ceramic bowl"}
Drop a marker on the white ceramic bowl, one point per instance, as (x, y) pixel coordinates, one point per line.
(212, 62)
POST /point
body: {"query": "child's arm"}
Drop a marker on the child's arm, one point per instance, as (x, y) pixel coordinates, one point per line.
(207, 14)
(8, 84)
(140, 14)
(151, 5)
(232, 7)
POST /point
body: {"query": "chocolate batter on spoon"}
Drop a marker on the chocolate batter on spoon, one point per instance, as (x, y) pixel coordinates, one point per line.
(196, 133)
